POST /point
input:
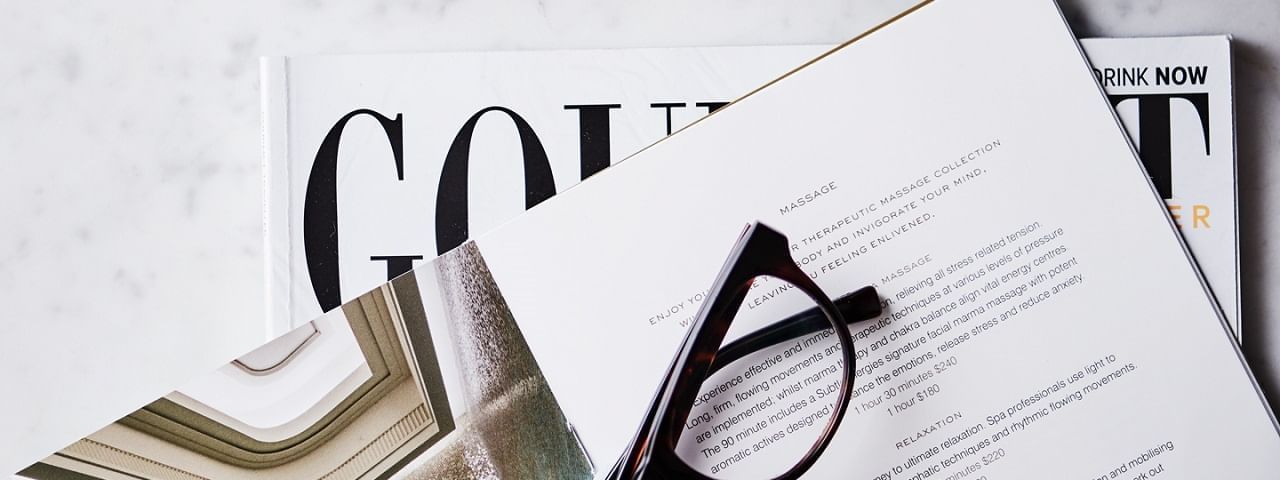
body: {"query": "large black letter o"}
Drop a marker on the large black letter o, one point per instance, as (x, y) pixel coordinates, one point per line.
(451, 199)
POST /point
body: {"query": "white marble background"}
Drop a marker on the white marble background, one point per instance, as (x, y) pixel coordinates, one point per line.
(130, 189)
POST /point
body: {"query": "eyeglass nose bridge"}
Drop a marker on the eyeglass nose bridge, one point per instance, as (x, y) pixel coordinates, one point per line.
(860, 305)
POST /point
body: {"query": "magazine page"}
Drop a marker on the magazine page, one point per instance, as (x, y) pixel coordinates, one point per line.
(1039, 305)
(382, 387)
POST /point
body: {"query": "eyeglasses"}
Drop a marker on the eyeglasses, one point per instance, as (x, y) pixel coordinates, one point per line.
(752, 407)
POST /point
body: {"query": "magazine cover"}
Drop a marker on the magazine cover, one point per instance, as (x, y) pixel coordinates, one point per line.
(378, 388)
(376, 163)
(1174, 96)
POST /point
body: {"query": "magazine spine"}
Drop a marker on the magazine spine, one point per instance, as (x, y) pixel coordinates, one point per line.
(277, 245)
(1235, 191)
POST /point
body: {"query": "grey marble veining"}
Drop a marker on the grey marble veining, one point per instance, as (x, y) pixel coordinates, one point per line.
(130, 180)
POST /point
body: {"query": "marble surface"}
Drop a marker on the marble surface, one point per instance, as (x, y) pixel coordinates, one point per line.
(130, 180)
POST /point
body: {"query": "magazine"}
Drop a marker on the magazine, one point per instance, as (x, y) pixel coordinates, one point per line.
(1023, 323)
(1182, 88)
(376, 163)
(421, 151)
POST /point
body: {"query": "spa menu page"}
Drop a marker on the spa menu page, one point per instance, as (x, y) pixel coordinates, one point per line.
(1043, 318)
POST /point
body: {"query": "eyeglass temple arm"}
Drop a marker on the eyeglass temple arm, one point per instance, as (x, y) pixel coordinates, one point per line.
(862, 304)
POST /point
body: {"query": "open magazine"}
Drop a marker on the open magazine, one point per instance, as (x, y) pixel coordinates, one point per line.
(1028, 331)
(589, 109)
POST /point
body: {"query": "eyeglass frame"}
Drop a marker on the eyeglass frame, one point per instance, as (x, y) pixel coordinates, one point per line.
(759, 252)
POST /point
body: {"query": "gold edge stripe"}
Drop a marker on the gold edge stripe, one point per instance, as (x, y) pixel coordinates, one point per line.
(837, 48)
(127, 461)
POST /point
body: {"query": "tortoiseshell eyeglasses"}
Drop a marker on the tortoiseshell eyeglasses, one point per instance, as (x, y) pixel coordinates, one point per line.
(767, 404)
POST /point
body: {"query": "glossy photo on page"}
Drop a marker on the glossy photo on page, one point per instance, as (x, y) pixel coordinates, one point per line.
(375, 389)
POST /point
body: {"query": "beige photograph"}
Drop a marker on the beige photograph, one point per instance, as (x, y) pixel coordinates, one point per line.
(359, 393)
